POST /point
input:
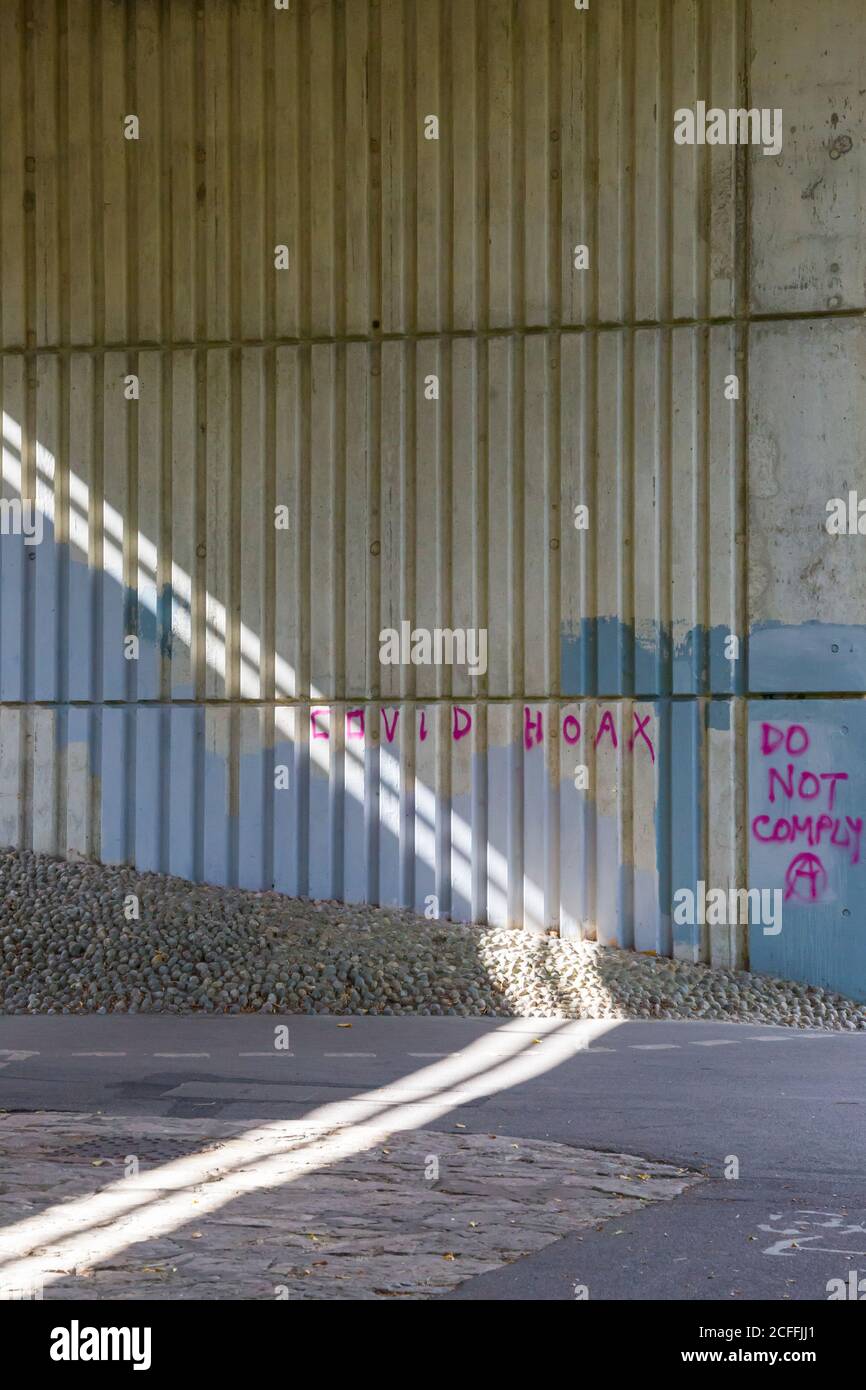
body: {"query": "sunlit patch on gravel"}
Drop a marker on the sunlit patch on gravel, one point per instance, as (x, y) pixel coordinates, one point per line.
(68, 944)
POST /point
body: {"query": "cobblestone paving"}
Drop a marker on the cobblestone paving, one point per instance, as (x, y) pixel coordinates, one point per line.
(221, 1210)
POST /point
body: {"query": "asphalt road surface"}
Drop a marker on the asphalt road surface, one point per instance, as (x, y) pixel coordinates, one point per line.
(785, 1110)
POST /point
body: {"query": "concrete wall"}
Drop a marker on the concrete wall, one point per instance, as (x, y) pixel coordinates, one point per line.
(308, 387)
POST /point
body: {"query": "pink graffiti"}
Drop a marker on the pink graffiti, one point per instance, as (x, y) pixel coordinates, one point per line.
(461, 732)
(314, 723)
(533, 728)
(806, 877)
(640, 732)
(811, 779)
(786, 830)
(570, 719)
(608, 724)
(772, 738)
(531, 725)
(805, 869)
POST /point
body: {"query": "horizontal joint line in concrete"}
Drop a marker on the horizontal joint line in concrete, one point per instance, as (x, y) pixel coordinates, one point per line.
(432, 334)
(320, 702)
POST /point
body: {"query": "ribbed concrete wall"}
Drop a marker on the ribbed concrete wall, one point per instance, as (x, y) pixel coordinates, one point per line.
(309, 387)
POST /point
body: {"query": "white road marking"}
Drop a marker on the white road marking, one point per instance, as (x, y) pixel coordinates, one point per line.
(97, 1054)
(13, 1056)
(653, 1047)
(298, 1093)
(273, 1053)
(180, 1054)
(431, 1054)
(101, 1224)
(716, 1042)
(349, 1054)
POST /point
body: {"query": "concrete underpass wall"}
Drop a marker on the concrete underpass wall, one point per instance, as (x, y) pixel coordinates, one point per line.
(427, 386)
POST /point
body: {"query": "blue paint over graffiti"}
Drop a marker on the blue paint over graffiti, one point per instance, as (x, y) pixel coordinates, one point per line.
(810, 657)
(719, 715)
(607, 657)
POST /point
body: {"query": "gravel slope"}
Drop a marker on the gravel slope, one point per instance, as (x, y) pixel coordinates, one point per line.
(69, 943)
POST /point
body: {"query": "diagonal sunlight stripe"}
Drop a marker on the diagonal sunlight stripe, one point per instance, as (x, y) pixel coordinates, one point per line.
(85, 1231)
(250, 653)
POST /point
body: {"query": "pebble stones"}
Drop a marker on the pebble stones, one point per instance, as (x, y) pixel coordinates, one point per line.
(70, 943)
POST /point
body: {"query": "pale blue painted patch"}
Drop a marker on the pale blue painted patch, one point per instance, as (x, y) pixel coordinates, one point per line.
(719, 715)
(823, 937)
(116, 839)
(80, 636)
(151, 801)
(807, 657)
(728, 672)
(663, 827)
(606, 657)
(185, 762)
(285, 835)
(684, 816)
(52, 604)
(13, 616)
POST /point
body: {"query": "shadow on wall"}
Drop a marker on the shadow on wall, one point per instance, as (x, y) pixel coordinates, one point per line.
(480, 814)
(466, 811)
